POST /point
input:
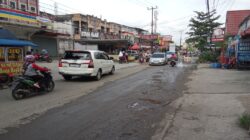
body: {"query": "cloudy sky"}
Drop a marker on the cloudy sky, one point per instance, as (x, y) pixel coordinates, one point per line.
(173, 15)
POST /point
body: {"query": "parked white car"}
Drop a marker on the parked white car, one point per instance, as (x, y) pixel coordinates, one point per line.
(92, 63)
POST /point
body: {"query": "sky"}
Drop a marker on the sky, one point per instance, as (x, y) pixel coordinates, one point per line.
(173, 15)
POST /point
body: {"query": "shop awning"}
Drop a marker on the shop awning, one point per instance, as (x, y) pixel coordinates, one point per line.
(15, 42)
(135, 47)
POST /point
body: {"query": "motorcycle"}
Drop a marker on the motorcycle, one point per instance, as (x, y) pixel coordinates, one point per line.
(5, 79)
(45, 57)
(172, 63)
(23, 87)
(141, 60)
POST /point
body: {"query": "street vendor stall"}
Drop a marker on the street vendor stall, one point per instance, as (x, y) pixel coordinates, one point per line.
(11, 55)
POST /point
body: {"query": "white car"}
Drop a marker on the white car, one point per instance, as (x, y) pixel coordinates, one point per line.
(92, 63)
(158, 59)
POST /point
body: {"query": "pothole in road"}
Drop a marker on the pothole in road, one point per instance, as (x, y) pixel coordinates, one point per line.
(156, 76)
(152, 101)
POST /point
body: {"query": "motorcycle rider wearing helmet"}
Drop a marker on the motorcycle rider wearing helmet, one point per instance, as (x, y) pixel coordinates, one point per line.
(31, 70)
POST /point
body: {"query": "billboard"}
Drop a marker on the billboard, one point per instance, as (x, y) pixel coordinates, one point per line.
(218, 35)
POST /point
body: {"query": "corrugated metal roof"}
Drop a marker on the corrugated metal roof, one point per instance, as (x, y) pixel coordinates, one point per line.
(233, 20)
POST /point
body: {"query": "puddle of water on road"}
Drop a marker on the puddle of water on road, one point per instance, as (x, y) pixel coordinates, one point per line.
(138, 107)
(181, 65)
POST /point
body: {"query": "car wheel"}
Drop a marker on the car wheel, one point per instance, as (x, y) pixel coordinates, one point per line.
(98, 75)
(112, 70)
(67, 77)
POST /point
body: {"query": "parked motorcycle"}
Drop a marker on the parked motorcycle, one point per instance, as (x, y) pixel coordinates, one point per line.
(5, 79)
(24, 86)
(45, 57)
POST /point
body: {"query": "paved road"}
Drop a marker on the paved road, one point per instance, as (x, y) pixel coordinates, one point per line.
(129, 108)
(54, 67)
(14, 112)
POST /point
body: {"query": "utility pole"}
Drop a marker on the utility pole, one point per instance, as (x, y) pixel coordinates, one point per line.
(208, 10)
(156, 19)
(152, 24)
(181, 38)
(56, 8)
(209, 32)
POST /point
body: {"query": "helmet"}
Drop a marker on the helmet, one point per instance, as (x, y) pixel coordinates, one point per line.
(30, 58)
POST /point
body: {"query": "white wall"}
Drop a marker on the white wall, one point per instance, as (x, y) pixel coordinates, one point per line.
(65, 27)
(64, 45)
(79, 46)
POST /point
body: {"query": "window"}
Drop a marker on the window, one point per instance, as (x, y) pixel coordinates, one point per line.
(2, 56)
(12, 5)
(15, 54)
(77, 55)
(23, 7)
(105, 56)
(98, 55)
(33, 9)
(3, 2)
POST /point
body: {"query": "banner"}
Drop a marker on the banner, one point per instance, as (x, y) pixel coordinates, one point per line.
(11, 67)
(2, 55)
(15, 54)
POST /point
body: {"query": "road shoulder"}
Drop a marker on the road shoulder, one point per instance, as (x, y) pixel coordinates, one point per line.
(209, 109)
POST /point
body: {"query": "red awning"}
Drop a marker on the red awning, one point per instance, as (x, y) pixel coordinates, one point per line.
(135, 47)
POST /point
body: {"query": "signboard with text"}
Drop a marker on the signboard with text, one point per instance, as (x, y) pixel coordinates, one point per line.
(218, 35)
(11, 60)
(11, 67)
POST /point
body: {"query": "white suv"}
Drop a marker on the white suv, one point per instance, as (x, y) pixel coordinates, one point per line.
(92, 63)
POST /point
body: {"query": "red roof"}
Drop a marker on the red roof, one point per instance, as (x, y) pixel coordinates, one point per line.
(233, 20)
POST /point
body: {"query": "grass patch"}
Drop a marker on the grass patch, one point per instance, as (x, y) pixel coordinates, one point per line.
(244, 121)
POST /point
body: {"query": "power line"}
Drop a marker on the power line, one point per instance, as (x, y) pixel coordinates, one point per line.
(66, 6)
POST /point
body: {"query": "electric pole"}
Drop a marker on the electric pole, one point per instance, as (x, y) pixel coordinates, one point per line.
(181, 38)
(56, 8)
(209, 31)
(156, 19)
(152, 21)
(152, 24)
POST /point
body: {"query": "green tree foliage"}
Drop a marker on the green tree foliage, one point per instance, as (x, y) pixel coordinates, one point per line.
(201, 27)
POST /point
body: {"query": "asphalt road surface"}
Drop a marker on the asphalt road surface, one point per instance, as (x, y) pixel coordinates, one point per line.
(126, 109)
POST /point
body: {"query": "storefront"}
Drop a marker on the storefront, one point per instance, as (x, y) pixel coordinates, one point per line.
(12, 53)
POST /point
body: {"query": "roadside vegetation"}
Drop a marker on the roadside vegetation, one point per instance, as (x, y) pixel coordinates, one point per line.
(209, 56)
(244, 121)
(201, 27)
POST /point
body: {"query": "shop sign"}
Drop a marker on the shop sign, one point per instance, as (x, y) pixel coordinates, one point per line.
(166, 38)
(218, 35)
(90, 34)
(2, 56)
(11, 67)
(15, 54)
(149, 37)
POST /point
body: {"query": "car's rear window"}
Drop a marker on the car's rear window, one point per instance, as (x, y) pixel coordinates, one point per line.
(77, 55)
(158, 55)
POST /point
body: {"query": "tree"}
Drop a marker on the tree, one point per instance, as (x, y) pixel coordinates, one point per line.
(201, 28)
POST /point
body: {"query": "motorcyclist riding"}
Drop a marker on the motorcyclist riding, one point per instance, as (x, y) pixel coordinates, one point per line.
(31, 70)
